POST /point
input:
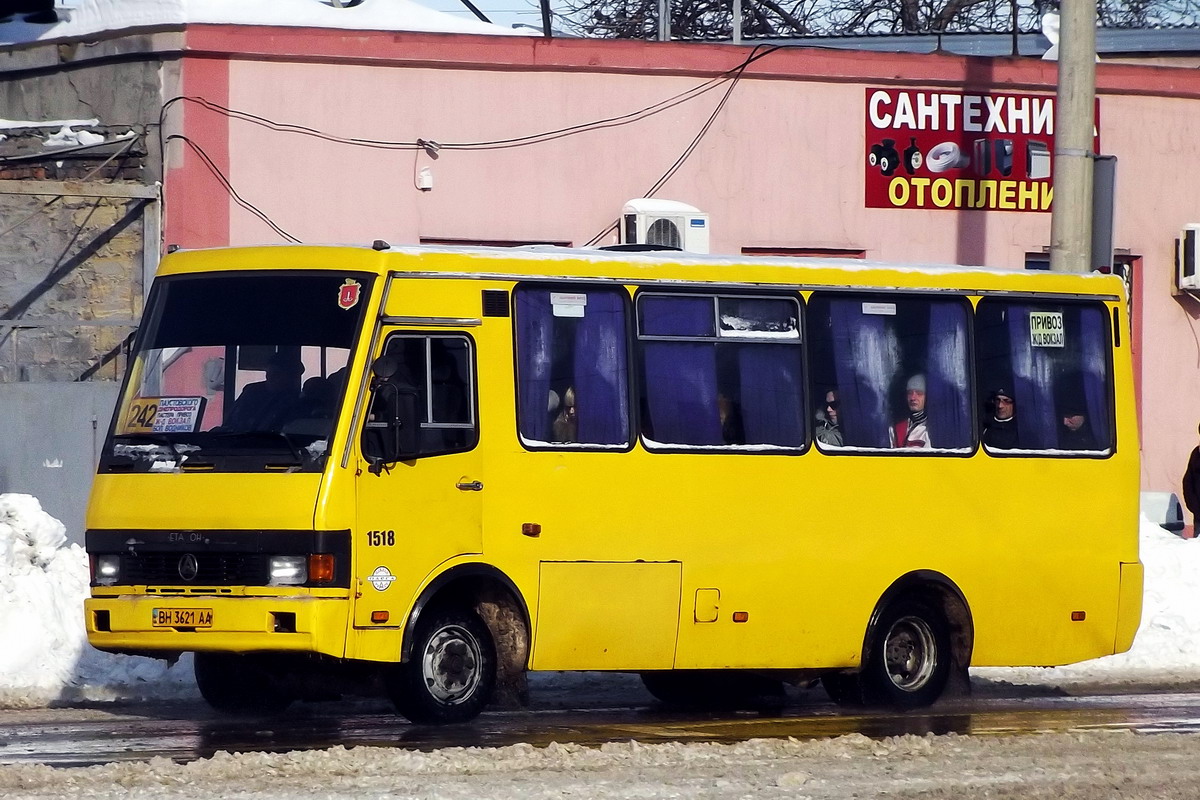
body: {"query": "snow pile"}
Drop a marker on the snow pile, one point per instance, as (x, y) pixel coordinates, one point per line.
(44, 654)
(91, 17)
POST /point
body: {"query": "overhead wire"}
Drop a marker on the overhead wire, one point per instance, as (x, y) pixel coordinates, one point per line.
(695, 142)
(224, 181)
(520, 141)
(731, 76)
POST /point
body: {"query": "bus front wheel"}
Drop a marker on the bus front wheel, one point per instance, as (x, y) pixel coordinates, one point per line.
(451, 672)
(239, 684)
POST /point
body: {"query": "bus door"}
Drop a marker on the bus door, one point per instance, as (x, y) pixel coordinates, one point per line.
(415, 514)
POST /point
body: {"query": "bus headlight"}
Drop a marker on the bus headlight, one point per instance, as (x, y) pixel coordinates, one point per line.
(288, 570)
(107, 570)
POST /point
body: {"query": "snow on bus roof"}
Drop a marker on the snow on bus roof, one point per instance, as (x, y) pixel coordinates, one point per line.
(79, 18)
(658, 257)
(553, 252)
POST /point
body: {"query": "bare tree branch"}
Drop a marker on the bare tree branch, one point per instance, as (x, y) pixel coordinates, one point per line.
(713, 19)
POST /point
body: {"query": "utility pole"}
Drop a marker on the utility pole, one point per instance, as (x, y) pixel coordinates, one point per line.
(1074, 125)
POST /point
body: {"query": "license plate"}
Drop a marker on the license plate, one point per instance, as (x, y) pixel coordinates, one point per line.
(182, 617)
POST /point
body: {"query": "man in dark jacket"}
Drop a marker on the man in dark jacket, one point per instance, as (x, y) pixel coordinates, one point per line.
(1075, 432)
(1191, 483)
(1000, 427)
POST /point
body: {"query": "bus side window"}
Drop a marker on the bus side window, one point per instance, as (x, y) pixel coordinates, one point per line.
(572, 366)
(441, 369)
(897, 366)
(1052, 361)
(721, 371)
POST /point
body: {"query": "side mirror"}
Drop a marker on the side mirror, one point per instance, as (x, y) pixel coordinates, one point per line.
(385, 367)
(392, 430)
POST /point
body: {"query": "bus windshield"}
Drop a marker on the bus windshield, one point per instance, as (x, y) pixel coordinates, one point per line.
(238, 372)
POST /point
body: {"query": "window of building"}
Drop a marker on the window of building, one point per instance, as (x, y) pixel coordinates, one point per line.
(492, 242)
(1052, 359)
(809, 252)
(441, 369)
(898, 367)
(572, 366)
(721, 371)
(1038, 261)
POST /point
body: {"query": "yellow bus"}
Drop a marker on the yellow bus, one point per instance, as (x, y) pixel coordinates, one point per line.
(427, 471)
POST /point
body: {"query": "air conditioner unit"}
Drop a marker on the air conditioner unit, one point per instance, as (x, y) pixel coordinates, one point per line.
(1186, 277)
(664, 223)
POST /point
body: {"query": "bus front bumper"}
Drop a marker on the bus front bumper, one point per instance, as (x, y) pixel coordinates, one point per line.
(146, 625)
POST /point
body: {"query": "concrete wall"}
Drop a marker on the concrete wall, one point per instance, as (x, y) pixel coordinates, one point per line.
(50, 439)
(73, 260)
(71, 283)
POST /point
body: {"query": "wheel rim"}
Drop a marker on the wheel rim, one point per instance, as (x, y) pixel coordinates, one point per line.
(450, 665)
(910, 653)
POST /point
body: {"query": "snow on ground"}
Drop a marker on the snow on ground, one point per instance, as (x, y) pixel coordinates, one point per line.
(1084, 766)
(91, 17)
(44, 655)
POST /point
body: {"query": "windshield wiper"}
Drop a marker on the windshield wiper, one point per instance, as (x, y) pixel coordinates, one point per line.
(156, 438)
(274, 436)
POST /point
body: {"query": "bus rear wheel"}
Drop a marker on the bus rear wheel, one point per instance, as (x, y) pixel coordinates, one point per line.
(233, 683)
(451, 672)
(908, 663)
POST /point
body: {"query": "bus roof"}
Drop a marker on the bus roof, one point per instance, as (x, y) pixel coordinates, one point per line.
(556, 263)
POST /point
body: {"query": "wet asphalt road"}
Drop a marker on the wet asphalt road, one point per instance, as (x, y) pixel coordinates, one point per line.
(183, 731)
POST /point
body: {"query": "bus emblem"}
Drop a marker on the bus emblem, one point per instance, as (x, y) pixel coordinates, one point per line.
(348, 293)
(381, 578)
(189, 567)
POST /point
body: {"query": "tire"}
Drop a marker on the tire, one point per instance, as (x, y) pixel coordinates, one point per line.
(909, 661)
(239, 684)
(715, 690)
(451, 673)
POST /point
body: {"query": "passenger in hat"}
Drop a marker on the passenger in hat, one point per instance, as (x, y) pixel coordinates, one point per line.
(1075, 433)
(1000, 424)
(913, 430)
(566, 425)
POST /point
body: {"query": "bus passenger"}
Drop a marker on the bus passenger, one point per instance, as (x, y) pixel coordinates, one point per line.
(265, 405)
(1075, 433)
(828, 421)
(912, 431)
(1000, 428)
(316, 399)
(732, 430)
(566, 425)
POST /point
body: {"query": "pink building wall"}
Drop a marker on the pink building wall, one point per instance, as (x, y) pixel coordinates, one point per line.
(781, 167)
